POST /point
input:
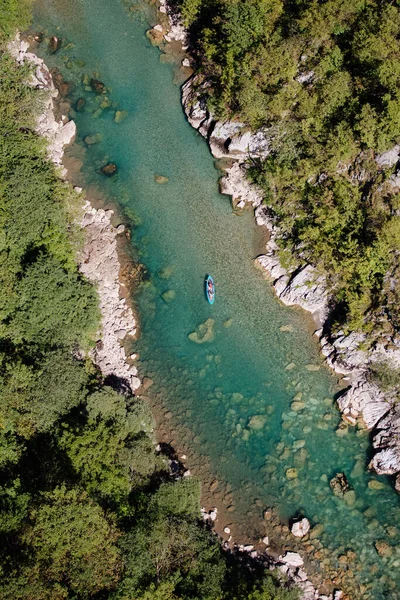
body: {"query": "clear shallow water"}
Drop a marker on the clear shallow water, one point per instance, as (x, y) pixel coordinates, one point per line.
(231, 397)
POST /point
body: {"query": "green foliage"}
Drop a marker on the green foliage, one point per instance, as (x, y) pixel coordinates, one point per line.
(13, 506)
(155, 551)
(178, 498)
(386, 376)
(14, 14)
(328, 195)
(73, 544)
(111, 451)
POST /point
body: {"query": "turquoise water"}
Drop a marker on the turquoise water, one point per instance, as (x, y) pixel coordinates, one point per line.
(230, 397)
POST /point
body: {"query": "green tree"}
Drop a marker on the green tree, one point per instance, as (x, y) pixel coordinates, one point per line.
(72, 545)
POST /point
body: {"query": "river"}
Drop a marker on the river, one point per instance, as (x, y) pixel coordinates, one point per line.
(229, 400)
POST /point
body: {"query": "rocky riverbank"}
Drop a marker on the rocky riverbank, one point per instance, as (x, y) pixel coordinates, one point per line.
(99, 259)
(348, 354)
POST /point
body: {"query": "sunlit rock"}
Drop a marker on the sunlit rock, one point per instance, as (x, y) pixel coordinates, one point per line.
(301, 528)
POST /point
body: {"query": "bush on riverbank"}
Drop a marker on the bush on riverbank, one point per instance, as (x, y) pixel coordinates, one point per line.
(323, 77)
(87, 505)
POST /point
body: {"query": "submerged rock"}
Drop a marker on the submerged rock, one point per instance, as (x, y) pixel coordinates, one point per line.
(54, 44)
(120, 115)
(168, 296)
(257, 422)
(383, 548)
(97, 86)
(90, 140)
(160, 179)
(339, 484)
(204, 332)
(166, 272)
(109, 169)
(80, 105)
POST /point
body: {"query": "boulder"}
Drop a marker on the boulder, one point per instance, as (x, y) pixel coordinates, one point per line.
(383, 548)
(339, 484)
(80, 104)
(236, 184)
(97, 86)
(109, 169)
(155, 36)
(54, 44)
(301, 528)
(292, 559)
(66, 134)
(387, 458)
(388, 158)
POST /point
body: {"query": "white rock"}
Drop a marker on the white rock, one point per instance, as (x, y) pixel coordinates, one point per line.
(265, 540)
(227, 530)
(301, 528)
(292, 559)
(388, 158)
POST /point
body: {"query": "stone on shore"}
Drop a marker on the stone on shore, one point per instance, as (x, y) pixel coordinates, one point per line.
(155, 35)
(292, 559)
(301, 528)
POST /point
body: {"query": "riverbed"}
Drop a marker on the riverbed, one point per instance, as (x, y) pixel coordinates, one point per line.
(253, 401)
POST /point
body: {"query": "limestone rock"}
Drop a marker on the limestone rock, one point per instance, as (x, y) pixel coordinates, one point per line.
(292, 559)
(155, 36)
(301, 528)
(389, 158)
(235, 183)
(387, 458)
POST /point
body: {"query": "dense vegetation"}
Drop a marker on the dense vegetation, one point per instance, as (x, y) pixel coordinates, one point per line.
(88, 508)
(323, 77)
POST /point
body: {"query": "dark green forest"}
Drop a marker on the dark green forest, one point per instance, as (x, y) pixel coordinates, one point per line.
(323, 77)
(88, 507)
